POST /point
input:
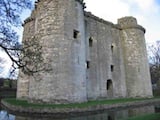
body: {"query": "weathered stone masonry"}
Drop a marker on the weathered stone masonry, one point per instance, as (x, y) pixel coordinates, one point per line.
(90, 58)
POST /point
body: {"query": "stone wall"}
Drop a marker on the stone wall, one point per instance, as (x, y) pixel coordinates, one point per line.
(63, 53)
(105, 59)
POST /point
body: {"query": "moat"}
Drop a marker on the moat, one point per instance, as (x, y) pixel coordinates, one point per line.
(113, 114)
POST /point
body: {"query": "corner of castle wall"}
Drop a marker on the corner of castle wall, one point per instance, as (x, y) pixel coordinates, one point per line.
(82, 2)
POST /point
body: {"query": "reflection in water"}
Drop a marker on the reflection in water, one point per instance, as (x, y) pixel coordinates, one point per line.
(5, 116)
(141, 111)
(109, 115)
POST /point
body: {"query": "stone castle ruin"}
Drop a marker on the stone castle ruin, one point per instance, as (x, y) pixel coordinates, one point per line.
(90, 58)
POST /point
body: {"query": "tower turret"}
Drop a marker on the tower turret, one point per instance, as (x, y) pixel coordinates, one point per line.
(59, 27)
(28, 33)
(135, 58)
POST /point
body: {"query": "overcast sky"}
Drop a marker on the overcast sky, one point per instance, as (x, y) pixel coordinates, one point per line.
(147, 13)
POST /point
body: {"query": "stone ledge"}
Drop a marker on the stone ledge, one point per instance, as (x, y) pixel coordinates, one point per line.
(66, 112)
(134, 27)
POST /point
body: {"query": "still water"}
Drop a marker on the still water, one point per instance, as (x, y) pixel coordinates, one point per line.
(120, 114)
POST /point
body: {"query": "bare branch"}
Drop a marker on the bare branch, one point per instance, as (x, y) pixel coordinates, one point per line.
(154, 59)
(9, 18)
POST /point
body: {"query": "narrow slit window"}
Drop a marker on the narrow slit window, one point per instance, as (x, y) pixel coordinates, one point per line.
(112, 68)
(112, 48)
(75, 34)
(88, 64)
(90, 42)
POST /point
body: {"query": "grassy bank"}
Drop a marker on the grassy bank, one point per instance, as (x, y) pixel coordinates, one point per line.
(24, 103)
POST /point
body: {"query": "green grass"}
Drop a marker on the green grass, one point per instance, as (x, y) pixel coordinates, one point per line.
(155, 116)
(24, 103)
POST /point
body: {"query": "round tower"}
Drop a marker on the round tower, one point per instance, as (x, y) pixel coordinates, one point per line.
(59, 27)
(135, 58)
(23, 79)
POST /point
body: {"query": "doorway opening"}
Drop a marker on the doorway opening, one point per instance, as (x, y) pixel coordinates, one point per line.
(109, 88)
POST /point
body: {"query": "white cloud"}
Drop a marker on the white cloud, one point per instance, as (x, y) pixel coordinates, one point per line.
(6, 65)
(109, 10)
(146, 12)
(144, 5)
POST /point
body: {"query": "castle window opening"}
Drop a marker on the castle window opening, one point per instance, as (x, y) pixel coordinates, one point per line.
(75, 34)
(109, 84)
(112, 68)
(112, 48)
(88, 64)
(90, 42)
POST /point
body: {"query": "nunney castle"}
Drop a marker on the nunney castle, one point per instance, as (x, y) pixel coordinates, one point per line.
(91, 58)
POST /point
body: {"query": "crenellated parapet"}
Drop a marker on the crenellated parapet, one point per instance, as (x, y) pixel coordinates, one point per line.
(129, 22)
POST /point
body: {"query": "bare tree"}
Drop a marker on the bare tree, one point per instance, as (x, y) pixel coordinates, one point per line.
(27, 57)
(31, 60)
(154, 59)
